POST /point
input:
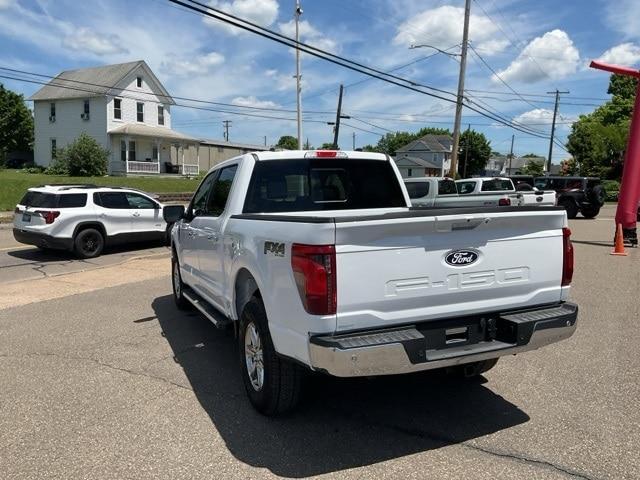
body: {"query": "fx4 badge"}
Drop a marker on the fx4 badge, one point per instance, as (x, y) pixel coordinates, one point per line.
(274, 248)
(461, 258)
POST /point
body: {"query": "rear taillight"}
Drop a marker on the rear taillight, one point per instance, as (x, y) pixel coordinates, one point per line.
(49, 216)
(504, 202)
(325, 154)
(314, 270)
(567, 257)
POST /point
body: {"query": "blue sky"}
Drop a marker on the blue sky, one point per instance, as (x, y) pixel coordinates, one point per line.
(535, 47)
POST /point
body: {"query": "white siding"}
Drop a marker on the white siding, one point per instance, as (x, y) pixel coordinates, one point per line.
(68, 125)
(130, 94)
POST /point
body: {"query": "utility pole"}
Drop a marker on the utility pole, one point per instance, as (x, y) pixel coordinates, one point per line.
(460, 97)
(227, 124)
(511, 154)
(466, 153)
(298, 12)
(265, 140)
(553, 127)
(336, 130)
(353, 135)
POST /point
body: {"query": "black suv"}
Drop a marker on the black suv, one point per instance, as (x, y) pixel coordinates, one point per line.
(576, 194)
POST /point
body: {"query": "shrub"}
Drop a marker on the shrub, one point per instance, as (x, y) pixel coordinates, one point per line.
(84, 157)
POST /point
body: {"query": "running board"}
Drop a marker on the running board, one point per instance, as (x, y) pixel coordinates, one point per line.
(217, 318)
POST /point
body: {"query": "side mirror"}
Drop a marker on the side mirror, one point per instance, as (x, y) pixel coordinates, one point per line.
(173, 213)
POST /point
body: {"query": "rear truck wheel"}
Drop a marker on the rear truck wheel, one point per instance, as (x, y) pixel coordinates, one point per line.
(597, 195)
(272, 383)
(471, 370)
(590, 212)
(88, 243)
(178, 287)
(570, 207)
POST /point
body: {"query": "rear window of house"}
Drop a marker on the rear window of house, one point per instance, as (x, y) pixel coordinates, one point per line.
(496, 185)
(322, 184)
(52, 200)
(417, 189)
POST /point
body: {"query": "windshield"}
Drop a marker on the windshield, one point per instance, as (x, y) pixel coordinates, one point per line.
(309, 184)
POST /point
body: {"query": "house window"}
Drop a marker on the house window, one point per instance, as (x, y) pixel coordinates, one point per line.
(54, 149)
(160, 115)
(123, 150)
(86, 107)
(132, 151)
(139, 82)
(140, 111)
(154, 155)
(409, 172)
(52, 110)
(117, 108)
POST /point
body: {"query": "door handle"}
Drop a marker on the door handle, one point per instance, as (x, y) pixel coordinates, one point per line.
(136, 214)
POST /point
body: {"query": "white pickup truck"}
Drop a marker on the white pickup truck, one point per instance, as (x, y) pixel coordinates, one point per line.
(442, 192)
(503, 185)
(318, 261)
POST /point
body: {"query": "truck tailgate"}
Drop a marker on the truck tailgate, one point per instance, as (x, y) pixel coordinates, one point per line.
(395, 270)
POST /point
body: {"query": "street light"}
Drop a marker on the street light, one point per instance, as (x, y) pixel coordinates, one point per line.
(435, 48)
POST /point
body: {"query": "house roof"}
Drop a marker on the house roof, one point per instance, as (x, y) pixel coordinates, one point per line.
(141, 130)
(94, 82)
(429, 142)
(417, 161)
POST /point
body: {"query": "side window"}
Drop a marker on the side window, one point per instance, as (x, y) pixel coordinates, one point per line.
(199, 202)
(447, 187)
(417, 189)
(221, 188)
(465, 187)
(138, 201)
(72, 200)
(114, 200)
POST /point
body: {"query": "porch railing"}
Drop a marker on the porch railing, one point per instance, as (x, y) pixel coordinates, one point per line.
(191, 170)
(143, 167)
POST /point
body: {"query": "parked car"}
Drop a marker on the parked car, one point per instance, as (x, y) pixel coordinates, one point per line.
(318, 262)
(85, 218)
(576, 194)
(504, 185)
(442, 192)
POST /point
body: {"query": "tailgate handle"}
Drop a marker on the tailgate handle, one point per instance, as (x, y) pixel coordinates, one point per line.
(460, 224)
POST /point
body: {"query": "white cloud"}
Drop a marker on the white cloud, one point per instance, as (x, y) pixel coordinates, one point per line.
(98, 43)
(252, 101)
(308, 34)
(624, 17)
(551, 56)
(6, 4)
(200, 65)
(623, 54)
(535, 116)
(262, 12)
(442, 28)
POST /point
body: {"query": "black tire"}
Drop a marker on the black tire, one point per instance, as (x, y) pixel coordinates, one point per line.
(475, 369)
(597, 195)
(279, 390)
(590, 212)
(88, 243)
(178, 287)
(570, 207)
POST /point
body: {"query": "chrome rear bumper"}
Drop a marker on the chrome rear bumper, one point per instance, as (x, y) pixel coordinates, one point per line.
(411, 348)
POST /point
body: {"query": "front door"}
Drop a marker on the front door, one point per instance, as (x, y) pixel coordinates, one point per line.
(147, 222)
(188, 228)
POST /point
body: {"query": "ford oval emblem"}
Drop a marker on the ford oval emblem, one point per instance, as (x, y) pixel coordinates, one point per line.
(461, 258)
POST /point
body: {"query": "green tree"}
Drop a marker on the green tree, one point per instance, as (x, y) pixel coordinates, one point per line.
(475, 149)
(287, 142)
(16, 124)
(327, 146)
(84, 157)
(598, 140)
(530, 155)
(534, 168)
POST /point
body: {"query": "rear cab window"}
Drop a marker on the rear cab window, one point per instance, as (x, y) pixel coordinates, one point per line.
(417, 189)
(309, 184)
(447, 187)
(497, 185)
(465, 188)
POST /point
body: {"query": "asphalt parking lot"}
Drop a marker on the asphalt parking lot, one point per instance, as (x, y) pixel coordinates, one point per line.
(103, 378)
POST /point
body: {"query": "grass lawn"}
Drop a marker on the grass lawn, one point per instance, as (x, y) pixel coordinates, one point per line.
(13, 184)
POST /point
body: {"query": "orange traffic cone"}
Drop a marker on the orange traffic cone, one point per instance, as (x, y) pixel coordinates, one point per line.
(618, 247)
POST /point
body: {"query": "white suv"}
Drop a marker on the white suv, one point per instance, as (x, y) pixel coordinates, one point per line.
(85, 218)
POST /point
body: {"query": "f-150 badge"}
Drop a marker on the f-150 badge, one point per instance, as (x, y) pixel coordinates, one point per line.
(274, 248)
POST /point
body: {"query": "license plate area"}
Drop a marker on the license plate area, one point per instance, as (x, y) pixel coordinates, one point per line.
(26, 217)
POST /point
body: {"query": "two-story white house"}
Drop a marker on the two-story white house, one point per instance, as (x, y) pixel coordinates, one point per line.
(428, 156)
(125, 108)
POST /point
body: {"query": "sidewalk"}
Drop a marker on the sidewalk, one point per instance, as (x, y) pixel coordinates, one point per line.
(6, 217)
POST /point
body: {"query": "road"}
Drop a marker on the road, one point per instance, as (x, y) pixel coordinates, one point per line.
(111, 381)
